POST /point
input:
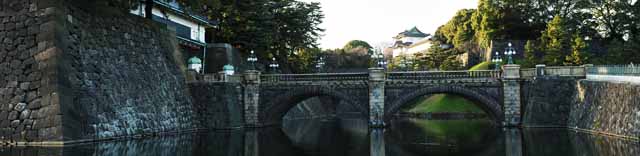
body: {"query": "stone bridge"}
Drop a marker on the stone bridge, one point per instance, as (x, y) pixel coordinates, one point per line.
(379, 94)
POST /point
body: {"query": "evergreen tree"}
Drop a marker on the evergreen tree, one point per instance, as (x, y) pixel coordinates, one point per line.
(530, 57)
(555, 42)
(578, 52)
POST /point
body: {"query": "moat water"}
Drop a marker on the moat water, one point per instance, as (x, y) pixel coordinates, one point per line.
(352, 138)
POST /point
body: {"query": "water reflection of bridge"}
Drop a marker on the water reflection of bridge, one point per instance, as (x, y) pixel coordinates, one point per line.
(342, 138)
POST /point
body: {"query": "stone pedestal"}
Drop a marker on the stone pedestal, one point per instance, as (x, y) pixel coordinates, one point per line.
(251, 98)
(376, 97)
(540, 70)
(511, 91)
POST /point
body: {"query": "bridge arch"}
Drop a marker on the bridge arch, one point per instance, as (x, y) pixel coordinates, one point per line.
(278, 107)
(490, 105)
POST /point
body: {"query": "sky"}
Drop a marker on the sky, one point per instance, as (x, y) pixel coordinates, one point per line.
(377, 21)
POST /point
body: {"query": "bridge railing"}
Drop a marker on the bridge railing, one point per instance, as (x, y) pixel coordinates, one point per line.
(617, 70)
(221, 78)
(430, 75)
(528, 73)
(562, 71)
(567, 71)
(314, 77)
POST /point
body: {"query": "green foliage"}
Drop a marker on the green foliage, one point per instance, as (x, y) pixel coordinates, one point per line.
(436, 58)
(458, 30)
(530, 56)
(486, 22)
(555, 42)
(356, 45)
(305, 60)
(579, 55)
(270, 27)
(340, 59)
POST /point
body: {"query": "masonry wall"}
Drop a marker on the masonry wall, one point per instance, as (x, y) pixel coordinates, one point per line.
(76, 71)
(29, 101)
(218, 105)
(547, 101)
(610, 108)
(607, 107)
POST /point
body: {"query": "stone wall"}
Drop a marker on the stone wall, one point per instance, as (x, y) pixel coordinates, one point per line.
(78, 71)
(29, 101)
(218, 105)
(547, 101)
(607, 107)
(610, 108)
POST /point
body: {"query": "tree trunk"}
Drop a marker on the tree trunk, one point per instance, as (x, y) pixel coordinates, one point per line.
(148, 7)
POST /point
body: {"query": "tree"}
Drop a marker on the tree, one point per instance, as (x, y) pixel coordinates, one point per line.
(578, 52)
(486, 22)
(280, 28)
(355, 44)
(530, 57)
(555, 42)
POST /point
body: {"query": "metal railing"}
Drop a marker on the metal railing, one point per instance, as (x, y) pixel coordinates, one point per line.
(430, 75)
(314, 77)
(575, 71)
(617, 70)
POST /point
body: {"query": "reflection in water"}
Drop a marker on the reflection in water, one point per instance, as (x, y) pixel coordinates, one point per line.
(352, 137)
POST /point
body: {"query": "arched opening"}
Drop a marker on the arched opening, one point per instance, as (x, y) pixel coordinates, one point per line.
(443, 105)
(317, 100)
(490, 106)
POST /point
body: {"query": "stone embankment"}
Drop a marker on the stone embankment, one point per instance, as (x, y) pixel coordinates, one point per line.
(73, 71)
(604, 107)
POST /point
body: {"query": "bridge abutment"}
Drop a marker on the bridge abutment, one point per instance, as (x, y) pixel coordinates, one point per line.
(376, 97)
(251, 98)
(511, 91)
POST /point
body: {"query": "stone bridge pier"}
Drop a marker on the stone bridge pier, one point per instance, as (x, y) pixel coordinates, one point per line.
(378, 94)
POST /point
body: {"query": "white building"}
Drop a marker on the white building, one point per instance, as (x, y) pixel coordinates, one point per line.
(410, 42)
(190, 28)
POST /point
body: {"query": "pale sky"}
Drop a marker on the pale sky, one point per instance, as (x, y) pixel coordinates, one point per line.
(376, 21)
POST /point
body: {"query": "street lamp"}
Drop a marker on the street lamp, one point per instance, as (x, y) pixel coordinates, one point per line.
(274, 65)
(509, 51)
(320, 64)
(252, 59)
(379, 58)
(496, 60)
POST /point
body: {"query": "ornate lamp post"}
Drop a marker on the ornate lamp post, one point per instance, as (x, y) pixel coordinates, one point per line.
(274, 65)
(509, 51)
(496, 60)
(195, 63)
(320, 64)
(252, 59)
(379, 58)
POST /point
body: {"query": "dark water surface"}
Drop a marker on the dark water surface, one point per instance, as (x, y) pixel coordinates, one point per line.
(352, 138)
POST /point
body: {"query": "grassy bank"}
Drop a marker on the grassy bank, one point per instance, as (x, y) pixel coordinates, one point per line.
(481, 66)
(444, 103)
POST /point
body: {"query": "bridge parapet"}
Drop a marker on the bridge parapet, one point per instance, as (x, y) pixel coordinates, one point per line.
(562, 71)
(276, 78)
(434, 75)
